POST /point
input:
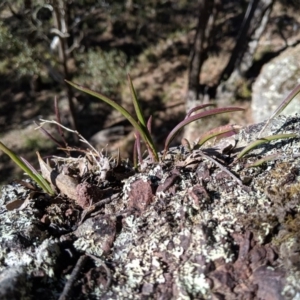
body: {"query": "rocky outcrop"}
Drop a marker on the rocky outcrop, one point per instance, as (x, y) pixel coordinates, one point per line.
(275, 81)
(199, 225)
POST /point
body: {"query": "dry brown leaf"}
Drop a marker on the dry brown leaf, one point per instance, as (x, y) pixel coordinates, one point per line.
(20, 203)
(14, 204)
(65, 183)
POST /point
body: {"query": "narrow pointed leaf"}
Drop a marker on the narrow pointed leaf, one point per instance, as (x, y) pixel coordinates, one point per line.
(282, 106)
(17, 160)
(136, 103)
(259, 162)
(141, 120)
(260, 141)
(198, 108)
(40, 177)
(149, 124)
(195, 117)
(143, 132)
(186, 143)
(220, 132)
(49, 135)
(30, 166)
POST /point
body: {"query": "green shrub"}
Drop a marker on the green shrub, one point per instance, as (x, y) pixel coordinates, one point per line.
(103, 70)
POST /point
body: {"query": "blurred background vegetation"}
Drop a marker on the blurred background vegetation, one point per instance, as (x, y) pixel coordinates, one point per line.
(96, 43)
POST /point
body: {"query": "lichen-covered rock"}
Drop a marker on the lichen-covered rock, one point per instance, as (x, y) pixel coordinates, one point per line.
(96, 235)
(275, 81)
(208, 226)
(13, 284)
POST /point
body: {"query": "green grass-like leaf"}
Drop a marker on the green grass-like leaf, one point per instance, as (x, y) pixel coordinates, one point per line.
(142, 128)
(32, 173)
(139, 127)
(136, 103)
(265, 159)
(150, 145)
(260, 141)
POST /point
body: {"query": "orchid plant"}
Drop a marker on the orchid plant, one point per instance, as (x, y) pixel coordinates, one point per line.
(143, 131)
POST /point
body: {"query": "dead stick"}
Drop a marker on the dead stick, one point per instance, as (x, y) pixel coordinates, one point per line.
(225, 170)
(92, 208)
(65, 294)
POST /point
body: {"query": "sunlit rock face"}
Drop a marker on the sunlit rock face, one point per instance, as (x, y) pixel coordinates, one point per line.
(199, 224)
(276, 80)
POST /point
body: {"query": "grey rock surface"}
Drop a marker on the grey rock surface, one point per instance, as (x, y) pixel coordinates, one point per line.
(13, 284)
(190, 227)
(275, 81)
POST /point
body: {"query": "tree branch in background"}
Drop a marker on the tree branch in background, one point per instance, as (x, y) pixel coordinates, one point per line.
(241, 41)
(60, 9)
(242, 57)
(198, 52)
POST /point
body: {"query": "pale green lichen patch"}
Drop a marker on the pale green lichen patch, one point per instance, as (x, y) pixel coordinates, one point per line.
(25, 243)
(198, 235)
(175, 231)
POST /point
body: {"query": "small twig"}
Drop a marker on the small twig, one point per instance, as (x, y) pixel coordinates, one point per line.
(49, 135)
(81, 138)
(224, 169)
(107, 270)
(58, 119)
(92, 208)
(125, 212)
(65, 294)
(59, 33)
(76, 44)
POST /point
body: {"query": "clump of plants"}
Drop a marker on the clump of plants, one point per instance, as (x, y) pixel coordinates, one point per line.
(99, 165)
(16, 55)
(143, 127)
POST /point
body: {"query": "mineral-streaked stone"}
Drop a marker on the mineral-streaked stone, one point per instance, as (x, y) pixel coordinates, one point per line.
(275, 81)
